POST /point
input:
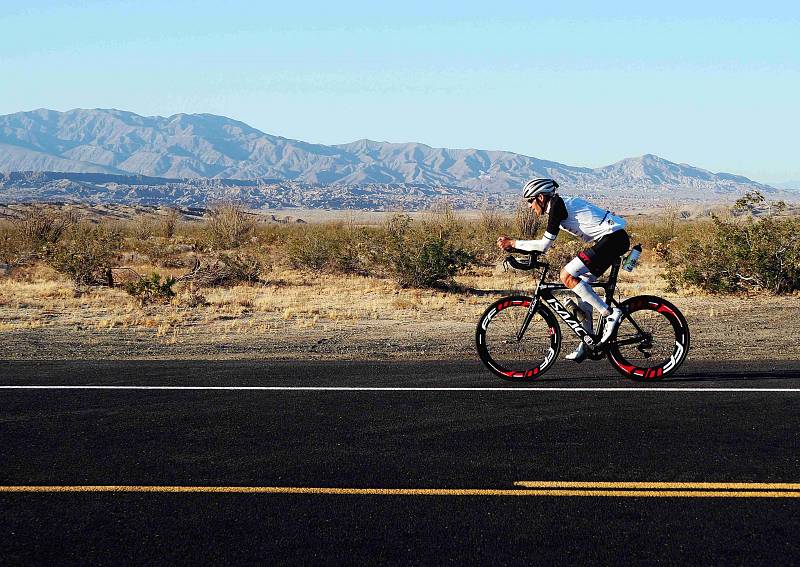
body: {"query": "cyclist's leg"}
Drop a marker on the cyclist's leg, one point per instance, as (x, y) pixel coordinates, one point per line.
(579, 354)
(586, 307)
(577, 275)
(591, 264)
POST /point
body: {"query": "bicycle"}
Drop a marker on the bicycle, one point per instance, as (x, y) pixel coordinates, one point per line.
(518, 337)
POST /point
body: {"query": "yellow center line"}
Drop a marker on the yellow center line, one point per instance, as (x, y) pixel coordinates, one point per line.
(661, 485)
(585, 491)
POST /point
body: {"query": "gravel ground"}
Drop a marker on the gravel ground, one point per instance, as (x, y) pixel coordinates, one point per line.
(722, 329)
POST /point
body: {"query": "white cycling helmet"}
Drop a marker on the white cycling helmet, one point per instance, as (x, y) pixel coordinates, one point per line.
(536, 187)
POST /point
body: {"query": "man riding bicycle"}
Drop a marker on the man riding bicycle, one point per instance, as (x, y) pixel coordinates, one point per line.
(604, 230)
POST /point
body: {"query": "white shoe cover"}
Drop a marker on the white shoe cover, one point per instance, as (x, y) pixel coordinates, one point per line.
(612, 321)
(578, 354)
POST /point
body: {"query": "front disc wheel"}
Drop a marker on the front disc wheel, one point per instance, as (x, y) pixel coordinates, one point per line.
(510, 357)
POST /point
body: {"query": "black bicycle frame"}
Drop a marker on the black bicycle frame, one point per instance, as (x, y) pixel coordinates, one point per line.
(545, 291)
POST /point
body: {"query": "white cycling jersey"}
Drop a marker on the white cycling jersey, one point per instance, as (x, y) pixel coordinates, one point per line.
(577, 216)
(587, 221)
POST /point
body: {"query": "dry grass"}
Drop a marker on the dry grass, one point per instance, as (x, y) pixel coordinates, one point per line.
(40, 297)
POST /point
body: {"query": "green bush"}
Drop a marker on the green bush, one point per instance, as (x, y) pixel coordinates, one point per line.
(424, 254)
(86, 254)
(152, 289)
(738, 255)
(331, 248)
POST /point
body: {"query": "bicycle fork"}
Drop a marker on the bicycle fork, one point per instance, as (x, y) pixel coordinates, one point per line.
(528, 317)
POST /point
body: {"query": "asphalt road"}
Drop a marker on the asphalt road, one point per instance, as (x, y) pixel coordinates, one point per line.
(714, 422)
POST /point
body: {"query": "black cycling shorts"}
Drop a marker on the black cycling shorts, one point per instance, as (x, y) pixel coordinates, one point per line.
(605, 251)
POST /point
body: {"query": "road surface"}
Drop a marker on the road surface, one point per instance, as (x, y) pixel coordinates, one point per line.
(433, 462)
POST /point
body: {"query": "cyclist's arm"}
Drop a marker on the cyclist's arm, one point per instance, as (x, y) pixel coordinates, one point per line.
(541, 245)
(558, 212)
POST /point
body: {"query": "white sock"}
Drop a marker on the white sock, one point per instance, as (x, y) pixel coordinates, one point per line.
(588, 323)
(586, 293)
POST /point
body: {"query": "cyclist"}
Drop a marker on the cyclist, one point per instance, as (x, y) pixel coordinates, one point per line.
(603, 229)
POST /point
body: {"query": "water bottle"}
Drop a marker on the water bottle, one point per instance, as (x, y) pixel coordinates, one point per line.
(632, 259)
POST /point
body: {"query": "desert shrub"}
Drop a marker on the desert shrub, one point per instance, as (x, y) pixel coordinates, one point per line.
(225, 270)
(160, 251)
(275, 234)
(477, 238)
(152, 289)
(491, 221)
(240, 268)
(169, 223)
(736, 255)
(526, 222)
(670, 224)
(315, 250)
(482, 235)
(422, 254)
(86, 254)
(143, 230)
(441, 220)
(228, 225)
(39, 227)
(10, 245)
(332, 248)
(756, 204)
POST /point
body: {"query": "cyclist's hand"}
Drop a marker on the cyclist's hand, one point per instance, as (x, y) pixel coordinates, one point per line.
(505, 243)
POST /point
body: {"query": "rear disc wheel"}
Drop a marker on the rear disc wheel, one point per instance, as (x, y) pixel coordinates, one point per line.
(651, 341)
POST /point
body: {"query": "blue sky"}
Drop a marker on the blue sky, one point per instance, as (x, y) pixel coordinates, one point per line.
(714, 84)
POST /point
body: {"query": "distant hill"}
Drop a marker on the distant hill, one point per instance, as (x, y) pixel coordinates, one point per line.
(195, 146)
(790, 185)
(201, 192)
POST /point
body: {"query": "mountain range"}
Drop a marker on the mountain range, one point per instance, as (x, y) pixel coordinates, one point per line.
(193, 146)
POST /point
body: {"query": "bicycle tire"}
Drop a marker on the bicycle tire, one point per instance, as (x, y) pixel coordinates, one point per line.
(657, 311)
(515, 360)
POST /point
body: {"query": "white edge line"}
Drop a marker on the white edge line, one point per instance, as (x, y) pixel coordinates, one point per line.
(390, 388)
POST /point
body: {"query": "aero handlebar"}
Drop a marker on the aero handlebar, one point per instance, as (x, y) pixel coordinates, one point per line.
(530, 263)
